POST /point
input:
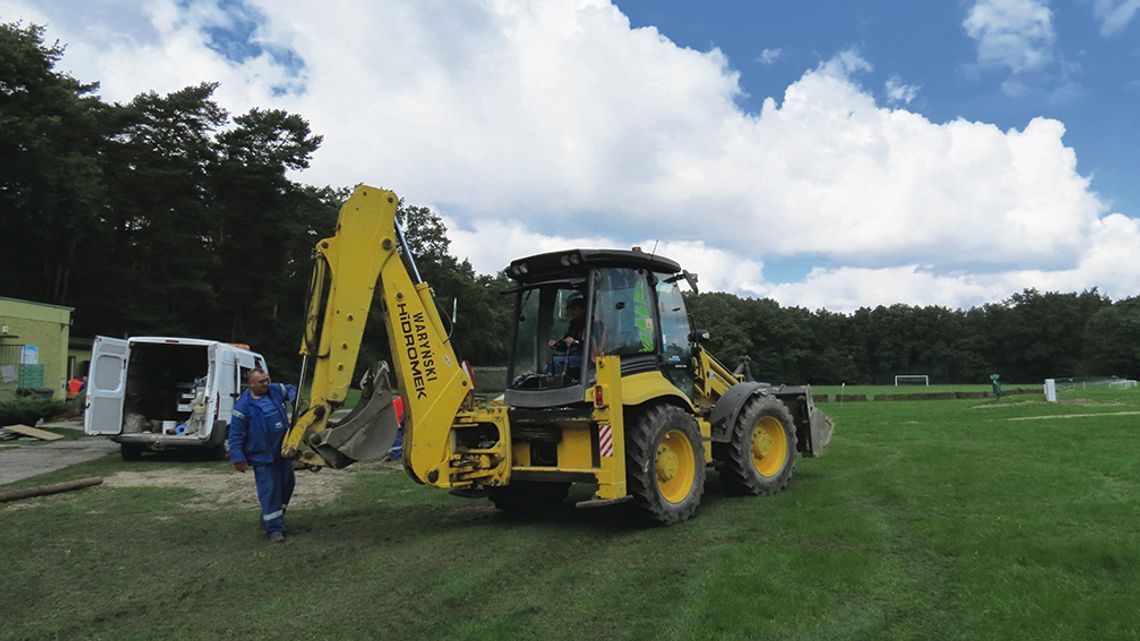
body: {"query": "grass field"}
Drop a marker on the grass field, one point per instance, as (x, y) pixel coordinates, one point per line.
(925, 520)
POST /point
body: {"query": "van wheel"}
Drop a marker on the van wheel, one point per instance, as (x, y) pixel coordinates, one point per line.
(130, 452)
(220, 450)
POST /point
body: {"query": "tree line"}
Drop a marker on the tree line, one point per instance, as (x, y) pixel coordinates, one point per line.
(1025, 338)
(167, 215)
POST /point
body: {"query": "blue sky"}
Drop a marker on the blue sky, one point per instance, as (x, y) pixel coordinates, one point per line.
(1092, 84)
(825, 154)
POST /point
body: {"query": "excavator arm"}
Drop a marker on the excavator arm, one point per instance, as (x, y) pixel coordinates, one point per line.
(368, 252)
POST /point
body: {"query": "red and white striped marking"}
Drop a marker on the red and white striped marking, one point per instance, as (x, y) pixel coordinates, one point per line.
(606, 439)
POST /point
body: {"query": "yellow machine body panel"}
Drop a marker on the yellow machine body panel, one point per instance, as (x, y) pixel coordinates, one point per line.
(647, 386)
(433, 381)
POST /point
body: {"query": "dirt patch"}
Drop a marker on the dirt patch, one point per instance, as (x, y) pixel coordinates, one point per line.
(1082, 402)
(1067, 416)
(229, 490)
(997, 406)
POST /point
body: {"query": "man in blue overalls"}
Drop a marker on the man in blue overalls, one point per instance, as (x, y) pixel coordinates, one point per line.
(256, 430)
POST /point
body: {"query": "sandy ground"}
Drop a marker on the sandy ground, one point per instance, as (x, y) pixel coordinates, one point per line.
(229, 490)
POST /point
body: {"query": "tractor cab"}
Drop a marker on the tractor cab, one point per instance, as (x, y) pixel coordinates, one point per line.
(574, 306)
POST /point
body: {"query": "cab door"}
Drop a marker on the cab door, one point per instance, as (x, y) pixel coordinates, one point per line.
(676, 350)
(106, 386)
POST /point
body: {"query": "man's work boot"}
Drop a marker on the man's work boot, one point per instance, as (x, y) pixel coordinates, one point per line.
(276, 537)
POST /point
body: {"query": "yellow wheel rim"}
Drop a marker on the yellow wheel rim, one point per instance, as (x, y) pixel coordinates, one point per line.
(769, 446)
(675, 466)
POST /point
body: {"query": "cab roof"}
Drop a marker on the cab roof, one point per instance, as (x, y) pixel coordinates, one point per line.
(577, 260)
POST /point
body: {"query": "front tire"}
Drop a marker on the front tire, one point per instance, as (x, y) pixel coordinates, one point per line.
(130, 452)
(761, 454)
(665, 464)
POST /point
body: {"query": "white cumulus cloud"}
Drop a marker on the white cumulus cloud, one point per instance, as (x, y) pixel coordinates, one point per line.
(1017, 34)
(899, 91)
(488, 242)
(1114, 15)
(536, 126)
(769, 56)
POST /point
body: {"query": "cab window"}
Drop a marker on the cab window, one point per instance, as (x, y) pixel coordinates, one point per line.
(551, 339)
(674, 321)
(623, 312)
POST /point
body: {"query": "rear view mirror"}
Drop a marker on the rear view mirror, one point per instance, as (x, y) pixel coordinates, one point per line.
(690, 278)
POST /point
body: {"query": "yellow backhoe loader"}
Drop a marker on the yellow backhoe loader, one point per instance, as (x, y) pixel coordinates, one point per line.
(608, 384)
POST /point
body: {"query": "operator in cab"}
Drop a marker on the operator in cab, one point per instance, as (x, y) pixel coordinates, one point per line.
(257, 429)
(568, 349)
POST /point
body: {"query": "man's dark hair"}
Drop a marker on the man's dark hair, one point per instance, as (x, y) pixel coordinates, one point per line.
(256, 370)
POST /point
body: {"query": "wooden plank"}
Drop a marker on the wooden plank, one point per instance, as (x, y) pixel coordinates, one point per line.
(44, 490)
(43, 435)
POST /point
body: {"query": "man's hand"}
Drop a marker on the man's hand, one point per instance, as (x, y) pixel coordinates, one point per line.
(562, 344)
(240, 466)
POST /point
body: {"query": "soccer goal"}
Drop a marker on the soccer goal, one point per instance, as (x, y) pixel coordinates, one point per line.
(1077, 386)
(912, 379)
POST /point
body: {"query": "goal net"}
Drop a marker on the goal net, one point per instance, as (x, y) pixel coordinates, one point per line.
(1089, 386)
(912, 379)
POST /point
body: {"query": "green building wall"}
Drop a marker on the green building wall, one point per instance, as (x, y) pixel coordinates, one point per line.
(48, 327)
(78, 356)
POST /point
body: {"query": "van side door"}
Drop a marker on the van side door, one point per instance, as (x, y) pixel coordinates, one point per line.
(222, 388)
(106, 386)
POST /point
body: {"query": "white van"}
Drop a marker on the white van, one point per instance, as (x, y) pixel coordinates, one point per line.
(156, 393)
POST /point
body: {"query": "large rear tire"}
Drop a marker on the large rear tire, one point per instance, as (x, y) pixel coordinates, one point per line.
(665, 464)
(761, 454)
(528, 497)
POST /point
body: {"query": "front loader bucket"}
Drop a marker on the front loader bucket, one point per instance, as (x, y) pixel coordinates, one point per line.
(821, 428)
(368, 432)
(813, 427)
